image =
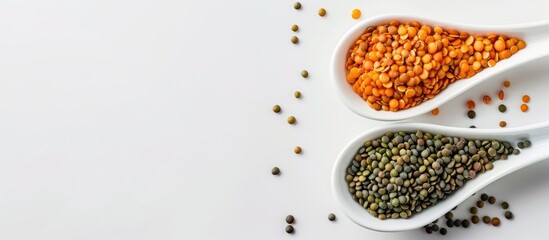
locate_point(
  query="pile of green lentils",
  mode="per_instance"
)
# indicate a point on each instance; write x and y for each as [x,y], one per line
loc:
[402,173]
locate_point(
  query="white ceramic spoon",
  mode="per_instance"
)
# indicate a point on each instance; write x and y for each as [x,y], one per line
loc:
[538,134]
[536,36]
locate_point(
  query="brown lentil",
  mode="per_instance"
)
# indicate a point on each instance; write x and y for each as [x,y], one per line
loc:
[475,219]
[524,107]
[473,210]
[486,219]
[322,12]
[297,94]
[295,28]
[492,200]
[304,74]
[506,83]
[291,120]
[487,99]
[297,150]
[502,124]
[276,108]
[526,99]
[290,219]
[495,222]
[404,57]
[294,39]
[297,5]
[480,204]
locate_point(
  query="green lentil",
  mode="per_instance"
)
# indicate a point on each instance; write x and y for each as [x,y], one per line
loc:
[294,39]
[473,210]
[484,197]
[475,219]
[435,227]
[276,108]
[450,223]
[297,94]
[457,222]
[275,171]
[486,219]
[449,215]
[290,219]
[492,200]
[401,173]
[480,204]
[471,114]
[291,120]
[502,108]
[289,229]
[465,223]
[294,28]
[508,215]
[443,231]
[505,205]
[527,143]
[297,5]
[331,217]
[304,74]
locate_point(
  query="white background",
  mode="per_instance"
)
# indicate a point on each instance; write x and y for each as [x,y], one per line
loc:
[152,119]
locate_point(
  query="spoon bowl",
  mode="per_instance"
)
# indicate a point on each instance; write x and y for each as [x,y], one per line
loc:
[538,134]
[534,34]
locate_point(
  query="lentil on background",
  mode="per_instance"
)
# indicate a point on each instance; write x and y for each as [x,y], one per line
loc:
[289,229]
[290,219]
[291,120]
[475,219]
[295,28]
[502,124]
[506,83]
[470,104]
[508,215]
[294,39]
[480,204]
[443,231]
[504,205]
[492,200]
[502,108]
[331,217]
[524,107]
[495,221]
[471,114]
[484,197]
[297,150]
[487,99]
[275,171]
[435,111]
[526,99]
[304,74]
[322,12]
[297,5]
[486,219]
[276,108]
[355,14]
[297,94]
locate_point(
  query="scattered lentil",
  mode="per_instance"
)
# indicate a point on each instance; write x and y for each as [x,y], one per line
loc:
[290,219]
[505,205]
[523,107]
[297,150]
[331,217]
[506,83]
[449,223]
[295,28]
[492,200]
[457,223]
[297,5]
[275,171]
[429,230]
[475,219]
[472,126]
[526,99]
[486,219]
[356,13]
[502,108]
[291,120]
[520,145]
[502,124]
[501,95]
[480,204]
[276,108]
[449,215]
[484,197]
[410,63]
[294,39]
[435,227]
[487,99]
[304,74]
[471,114]
[465,223]
[297,94]
[290,229]
[443,231]
[473,210]
[508,215]
[495,222]
[435,111]
[527,143]
[322,12]
[470,104]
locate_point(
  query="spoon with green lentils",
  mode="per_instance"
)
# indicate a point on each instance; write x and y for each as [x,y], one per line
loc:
[403,176]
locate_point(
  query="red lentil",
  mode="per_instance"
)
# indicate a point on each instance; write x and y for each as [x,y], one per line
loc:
[501,94]
[470,104]
[435,111]
[524,107]
[526,99]
[487,99]
[356,14]
[506,83]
